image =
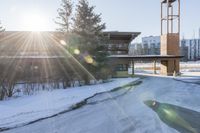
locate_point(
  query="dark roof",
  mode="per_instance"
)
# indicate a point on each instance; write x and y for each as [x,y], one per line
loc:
[27,43]
[116,35]
[31,57]
[170,1]
[146,57]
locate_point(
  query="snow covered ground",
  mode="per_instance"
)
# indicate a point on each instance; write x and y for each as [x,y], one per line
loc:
[15,112]
[191,66]
[126,113]
[113,112]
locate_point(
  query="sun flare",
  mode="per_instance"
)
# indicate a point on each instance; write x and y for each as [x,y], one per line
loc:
[34,21]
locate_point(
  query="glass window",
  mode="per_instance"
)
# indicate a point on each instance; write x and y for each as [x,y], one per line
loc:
[121,67]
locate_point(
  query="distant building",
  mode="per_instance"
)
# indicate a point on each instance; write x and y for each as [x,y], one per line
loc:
[184,50]
[149,46]
[189,48]
[151,40]
[136,49]
[193,48]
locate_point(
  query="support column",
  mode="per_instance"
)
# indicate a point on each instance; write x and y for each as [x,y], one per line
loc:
[170,40]
[133,67]
[154,67]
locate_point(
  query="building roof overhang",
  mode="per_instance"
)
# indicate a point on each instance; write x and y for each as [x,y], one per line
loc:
[170,1]
[146,57]
[116,35]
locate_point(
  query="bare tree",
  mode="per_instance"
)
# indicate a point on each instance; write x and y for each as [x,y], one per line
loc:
[65,16]
[2,29]
[8,80]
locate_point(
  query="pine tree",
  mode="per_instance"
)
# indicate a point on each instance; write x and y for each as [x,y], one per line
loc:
[65,16]
[86,21]
[87,25]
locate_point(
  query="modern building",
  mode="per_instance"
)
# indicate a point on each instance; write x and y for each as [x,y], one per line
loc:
[191,49]
[36,57]
[169,44]
[136,49]
[118,44]
[43,49]
[151,45]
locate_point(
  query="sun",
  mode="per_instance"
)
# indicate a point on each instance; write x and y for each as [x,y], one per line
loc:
[34,21]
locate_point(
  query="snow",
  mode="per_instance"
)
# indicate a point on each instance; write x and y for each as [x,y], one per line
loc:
[191,74]
[191,66]
[124,114]
[22,110]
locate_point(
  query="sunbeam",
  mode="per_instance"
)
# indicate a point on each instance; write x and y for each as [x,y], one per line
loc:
[34,21]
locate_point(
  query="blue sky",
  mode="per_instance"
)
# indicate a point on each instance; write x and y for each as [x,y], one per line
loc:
[121,15]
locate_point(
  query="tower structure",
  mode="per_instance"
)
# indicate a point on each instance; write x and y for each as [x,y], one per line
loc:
[170,35]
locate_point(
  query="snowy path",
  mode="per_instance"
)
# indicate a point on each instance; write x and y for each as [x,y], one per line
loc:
[122,114]
[26,109]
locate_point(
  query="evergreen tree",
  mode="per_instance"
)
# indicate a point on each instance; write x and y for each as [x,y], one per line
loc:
[65,16]
[88,27]
[86,21]
[85,35]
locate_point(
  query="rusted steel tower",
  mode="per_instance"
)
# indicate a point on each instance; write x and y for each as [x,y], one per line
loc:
[170,35]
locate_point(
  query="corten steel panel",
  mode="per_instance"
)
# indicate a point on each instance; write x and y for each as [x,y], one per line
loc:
[170,44]
[163,65]
[170,40]
[169,67]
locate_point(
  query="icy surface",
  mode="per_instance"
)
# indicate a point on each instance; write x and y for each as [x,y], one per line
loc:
[22,110]
[125,114]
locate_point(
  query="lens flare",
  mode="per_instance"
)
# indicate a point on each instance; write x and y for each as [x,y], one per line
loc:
[154,103]
[76,51]
[89,59]
[63,42]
